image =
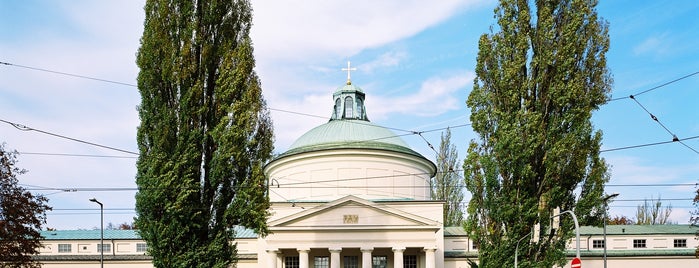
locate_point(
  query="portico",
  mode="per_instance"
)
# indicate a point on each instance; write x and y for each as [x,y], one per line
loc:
[399,257]
[380,234]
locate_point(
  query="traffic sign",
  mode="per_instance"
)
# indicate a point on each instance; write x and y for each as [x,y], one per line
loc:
[575,263]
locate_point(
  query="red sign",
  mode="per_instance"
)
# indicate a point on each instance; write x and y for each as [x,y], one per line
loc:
[575,263]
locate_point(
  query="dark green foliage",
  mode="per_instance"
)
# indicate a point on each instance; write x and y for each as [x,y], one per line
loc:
[448,184]
[205,132]
[540,76]
[21,217]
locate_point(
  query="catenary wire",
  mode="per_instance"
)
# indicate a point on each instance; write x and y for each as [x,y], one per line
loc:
[26,128]
[657,87]
[655,118]
[68,74]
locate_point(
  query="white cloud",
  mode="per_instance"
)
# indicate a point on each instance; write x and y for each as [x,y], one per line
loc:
[436,95]
[654,45]
[388,59]
[307,29]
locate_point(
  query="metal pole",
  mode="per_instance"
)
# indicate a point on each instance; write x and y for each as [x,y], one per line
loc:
[577,231]
[517,246]
[101,247]
[604,230]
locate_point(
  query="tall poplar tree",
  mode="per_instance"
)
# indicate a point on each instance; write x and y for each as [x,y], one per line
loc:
[540,74]
[448,185]
[205,132]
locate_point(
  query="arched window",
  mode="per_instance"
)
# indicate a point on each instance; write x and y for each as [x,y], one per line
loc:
[360,108]
[348,107]
[338,109]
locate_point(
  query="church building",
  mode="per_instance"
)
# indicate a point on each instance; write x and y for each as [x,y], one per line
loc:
[350,193]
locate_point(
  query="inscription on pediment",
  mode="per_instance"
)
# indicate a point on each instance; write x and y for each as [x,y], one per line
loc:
[350,219]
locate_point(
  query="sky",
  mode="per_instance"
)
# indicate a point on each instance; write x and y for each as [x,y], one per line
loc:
[415,61]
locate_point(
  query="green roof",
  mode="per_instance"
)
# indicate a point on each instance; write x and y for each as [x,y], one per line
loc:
[455,231]
[349,134]
[640,229]
[670,229]
[89,234]
[240,232]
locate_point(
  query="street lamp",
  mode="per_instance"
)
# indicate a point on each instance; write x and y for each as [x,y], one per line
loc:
[577,231]
[604,224]
[101,247]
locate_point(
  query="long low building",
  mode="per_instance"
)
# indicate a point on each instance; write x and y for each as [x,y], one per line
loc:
[628,246]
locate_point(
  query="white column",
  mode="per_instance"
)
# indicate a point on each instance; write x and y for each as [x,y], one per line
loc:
[272,258]
[335,257]
[366,257]
[303,257]
[398,257]
[430,261]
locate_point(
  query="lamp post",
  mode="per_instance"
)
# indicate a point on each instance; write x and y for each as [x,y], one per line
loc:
[101,247]
[577,231]
[604,224]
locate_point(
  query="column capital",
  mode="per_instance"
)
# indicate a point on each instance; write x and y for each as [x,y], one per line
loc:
[429,249]
[272,250]
[398,249]
[366,249]
[303,249]
[337,250]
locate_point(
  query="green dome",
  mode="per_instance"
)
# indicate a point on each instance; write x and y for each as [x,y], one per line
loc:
[349,134]
[349,128]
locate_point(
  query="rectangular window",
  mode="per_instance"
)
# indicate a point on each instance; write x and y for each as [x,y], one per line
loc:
[141,247]
[639,243]
[351,262]
[410,261]
[474,246]
[379,262]
[598,243]
[321,262]
[291,262]
[64,248]
[106,247]
[680,243]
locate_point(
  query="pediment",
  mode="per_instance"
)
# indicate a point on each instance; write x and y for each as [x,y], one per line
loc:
[351,211]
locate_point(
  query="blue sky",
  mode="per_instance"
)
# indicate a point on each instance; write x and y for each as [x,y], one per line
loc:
[415,61]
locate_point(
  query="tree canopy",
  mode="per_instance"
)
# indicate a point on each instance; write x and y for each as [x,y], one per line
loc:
[21,216]
[540,74]
[205,132]
[448,183]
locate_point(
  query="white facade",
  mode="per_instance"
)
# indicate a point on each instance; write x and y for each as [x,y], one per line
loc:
[351,194]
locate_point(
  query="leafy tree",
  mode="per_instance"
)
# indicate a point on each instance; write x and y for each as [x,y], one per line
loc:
[653,213]
[21,216]
[448,184]
[620,220]
[205,132]
[539,77]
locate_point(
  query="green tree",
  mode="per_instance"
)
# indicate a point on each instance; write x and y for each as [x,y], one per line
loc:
[539,76]
[205,132]
[21,216]
[653,213]
[448,184]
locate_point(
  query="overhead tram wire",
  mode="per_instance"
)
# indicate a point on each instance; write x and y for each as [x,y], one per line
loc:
[78,155]
[132,85]
[645,145]
[657,87]
[297,185]
[68,74]
[26,128]
[655,118]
